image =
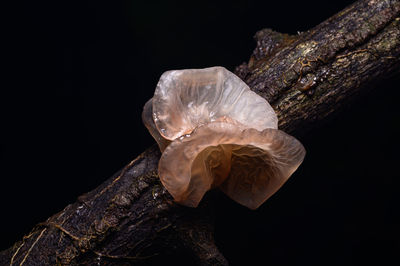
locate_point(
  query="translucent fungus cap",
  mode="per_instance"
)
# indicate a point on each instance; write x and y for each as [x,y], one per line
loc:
[246,164]
[215,132]
[147,117]
[185,99]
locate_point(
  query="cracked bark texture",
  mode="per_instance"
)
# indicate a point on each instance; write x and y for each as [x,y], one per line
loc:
[130,218]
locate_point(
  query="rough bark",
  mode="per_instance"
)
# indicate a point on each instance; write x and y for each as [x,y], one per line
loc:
[306,77]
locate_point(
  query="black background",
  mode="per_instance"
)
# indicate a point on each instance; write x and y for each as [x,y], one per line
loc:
[78,74]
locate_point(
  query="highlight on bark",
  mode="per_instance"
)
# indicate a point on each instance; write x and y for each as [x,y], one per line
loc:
[215,132]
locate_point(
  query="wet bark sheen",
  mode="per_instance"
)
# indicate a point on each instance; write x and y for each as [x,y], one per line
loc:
[306,77]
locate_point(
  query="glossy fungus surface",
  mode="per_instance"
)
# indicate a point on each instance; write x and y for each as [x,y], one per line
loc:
[215,132]
[246,164]
[185,99]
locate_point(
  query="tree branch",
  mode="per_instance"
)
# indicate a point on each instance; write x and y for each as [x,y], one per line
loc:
[131,217]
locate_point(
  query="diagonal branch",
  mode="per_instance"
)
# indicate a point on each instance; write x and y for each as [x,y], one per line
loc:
[131,217]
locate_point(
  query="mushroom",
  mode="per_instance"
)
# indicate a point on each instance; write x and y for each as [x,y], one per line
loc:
[147,117]
[215,132]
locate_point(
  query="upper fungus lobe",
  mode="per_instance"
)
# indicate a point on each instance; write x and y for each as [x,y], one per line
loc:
[147,118]
[215,132]
[185,99]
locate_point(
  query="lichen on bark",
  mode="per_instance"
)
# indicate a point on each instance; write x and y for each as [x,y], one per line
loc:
[131,217]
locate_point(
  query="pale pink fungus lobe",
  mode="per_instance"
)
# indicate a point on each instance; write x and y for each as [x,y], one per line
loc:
[215,132]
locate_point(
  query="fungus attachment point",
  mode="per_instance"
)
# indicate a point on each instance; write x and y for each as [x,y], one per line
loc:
[215,132]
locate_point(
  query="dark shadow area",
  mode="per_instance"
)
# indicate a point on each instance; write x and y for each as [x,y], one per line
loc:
[340,207]
[78,76]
